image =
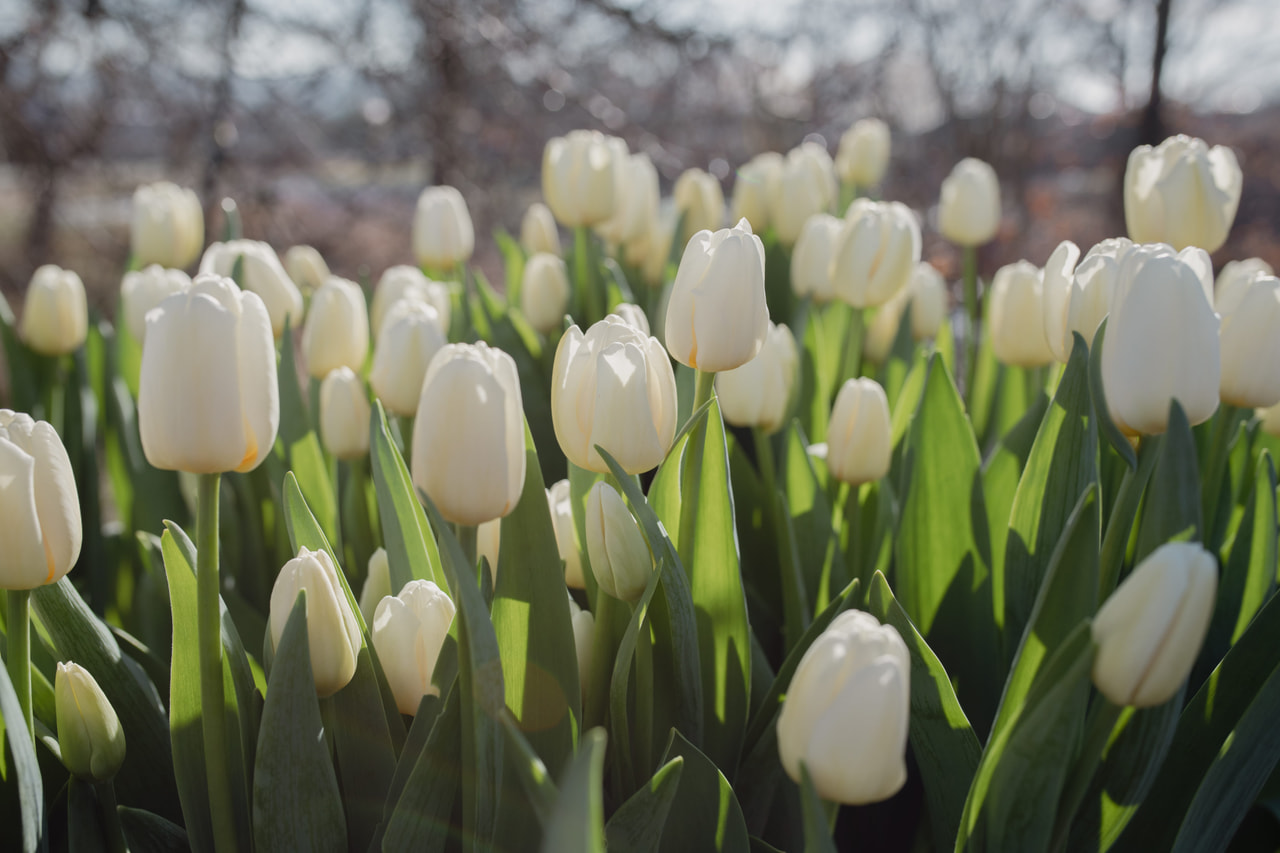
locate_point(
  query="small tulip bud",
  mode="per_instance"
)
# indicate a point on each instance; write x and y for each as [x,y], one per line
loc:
[55,316]
[1182,192]
[847,711]
[337,329]
[89,734]
[806,187]
[858,439]
[1150,630]
[333,633]
[410,339]
[306,266]
[538,231]
[699,197]
[489,546]
[620,558]
[864,153]
[969,212]
[584,634]
[408,633]
[632,315]
[167,226]
[876,252]
[208,399]
[142,290]
[408,283]
[1235,273]
[263,274]
[926,293]
[1016,311]
[443,236]
[1250,340]
[754,189]
[578,181]
[39,506]
[635,197]
[344,414]
[811,260]
[377,584]
[757,393]
[566,541]
[544,291]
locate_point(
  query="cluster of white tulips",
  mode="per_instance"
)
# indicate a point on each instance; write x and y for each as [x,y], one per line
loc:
[500,569]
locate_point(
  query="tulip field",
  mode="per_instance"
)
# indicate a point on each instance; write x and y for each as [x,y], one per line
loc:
[712,525]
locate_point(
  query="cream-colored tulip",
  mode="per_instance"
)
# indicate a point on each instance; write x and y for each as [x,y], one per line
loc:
[578,180]
[1182,192]
[613,387]
[755,188]
[806,186]
[344,414]
[333,634]
[1016,313]
[1270,419]
[811,259]
[336,333]
[408,282]
[757,394]
[1078,297]
[489,546]
[408,634]
[39,504]
[858,435]
[410,339]
[632,315]
[863,155]
[443,236]
[619,556]
[584,633]
[651,252]
[1250,339]
[208,399]
[377,584]
[700,200]
[847,712]
[1237,274]
[306,266]
[969,211]
[544,291]
[90,737]
[468,435]
[635,198]
[566,538]
[55,315]
[926,293]
[263,274]
[538,232]
[876,252]
[142,290]
[167,226]
[717,316]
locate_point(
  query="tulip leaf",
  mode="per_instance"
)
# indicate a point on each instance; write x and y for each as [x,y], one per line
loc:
[636,827]
[631,752]
[819,563]
[817,835]
[305,532]
[982,397]
[149,833]
[539,790]
[30,787]
[1001,473]
[296,801]
[577,823]
[706,816]
[761,547]
[366,759]
[1106,426]
[85,832]
[419,818]
[899,359]
[303,453]
[1172,509]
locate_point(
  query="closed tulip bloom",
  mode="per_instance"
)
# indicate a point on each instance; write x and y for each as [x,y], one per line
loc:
[406,282]
[807,186]
[757,393]
[410,340]
[635,198]
[651,252]
[1016,311]
[1149,632]
[717,317]
[142,290]
[333,634]
[408,633]
[847,711]
[1182,192]
[208,400]
[755,188]
[489,546]
[55,316]
[566,542]
[89,734]
[538,231]
[377,584]
[39,505]
[344,414]
[1078,297]
[578,181]
[632,315]
[700,199]
[858,442]
[811,260]
[1270,419]
[864,153]
[167,226]
[1250,340]
[1162,341]
[263,274]
[306,266]
[876,252]
[969,211]
[613,387]
[336,333]
[584,634]
[619,556]
[443,236]
[1237,273]
[468,435]
[926,293]
[544,291]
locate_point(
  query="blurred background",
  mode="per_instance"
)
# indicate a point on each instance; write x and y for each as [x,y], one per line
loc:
[324,119]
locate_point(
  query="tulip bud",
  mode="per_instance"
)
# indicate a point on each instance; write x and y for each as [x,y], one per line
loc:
[1016,311]
[344,414]
[1077,298]
[613,387]
[538,230]
[926,293]
[620,558]
[336,333]
[811,260]
[333,634]
[410,339]
[443,236]
[635,197]
[969,212]
[584,634]
[1182,193]
[864,153]
[468,436]
[55,316]
[807,186]
[408,633]
[1162,340]
[208,399]
[1270,419]
[754,189]
[876,252]
[263,274]
[1236,273]
[39,505]
[306,266]
[578,178]
[757,393]
[1150,630]
[700,199]
[652,250]
[847,710]
[168,226]
[489,545]
[544,291]
[89,734]
[377,584]
[1250,341]
[142,290]
[717,317]
[858,442]
[409,283]
[632,315]
[566,543]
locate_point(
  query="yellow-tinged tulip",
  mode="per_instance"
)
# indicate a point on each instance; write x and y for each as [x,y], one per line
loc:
[1250,340]
[566,541]
[755,188]
[811,260]
[864,153]
[410,339]
[55,316]
[89,734]
[757,393]
[443,236]
[858,438]
[377,584]
[847,711]
[538,231]
[408,633]
[39,505]
[578,181]
[876,252]
[717,317]
[619,556]
[336,333]
[1150,630]
[142,290]
[1182,192]
[261,273]
[344,414]
[1016,312]
[333,634]
[468,436]
[926,293]
[544,291]
[584,633]
[208,399]
[306,266]
[489,546]
[969,211]
[613,387]
[1236,273]
[406,282]
[167,226]
[635,197]
[632,315]
[700,200]
[807,186]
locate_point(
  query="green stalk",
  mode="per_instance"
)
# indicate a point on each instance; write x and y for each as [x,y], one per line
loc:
[19,657]
[209,630]
[602,655]
[467,539]
[832,810]
[1116,540]
[828,562]
[691,475]
[588,295]
[851,356]
[703,385]
[1102,720]
[972,310]
[644,702]
[1224,429]
[110,814]
[793,593]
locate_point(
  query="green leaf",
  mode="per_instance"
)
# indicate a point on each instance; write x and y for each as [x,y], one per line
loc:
[1001,473]
[534,778]
[810,519]
[85,833]
[30,786]
[1106,426]
[632,753]
[1172,509]
[149,833]
[706,816]
[577,824]
[419,818]
[305,532]
[366,758]
[303,453]
[636,827]
[817,835]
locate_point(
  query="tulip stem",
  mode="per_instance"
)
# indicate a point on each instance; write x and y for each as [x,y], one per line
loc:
[851,357]
[644,702]
[467,535]
[1101,722]
[1123,511]
[209,629]
[972,311]
[603,652]
[1224,429]
[110,814]
[702,387]
[584,267]
[19,652]
[832,811]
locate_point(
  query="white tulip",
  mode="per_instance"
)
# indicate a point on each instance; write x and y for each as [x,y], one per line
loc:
[333,634]
[377,584]
[876,252]
[1250,338]
[1016,314]
[55,315]
[566,538]
[807,186]
[700,199]
[408,634]
[544,291]
[864,153]
[443,236]
[1182,192]
[410,339]
[263,274]
[344,414]
[811,259]
[336,333]
[167,226]
[39,504]
[757,394]
[142,290]
[407,282]
[619,556]
[754,189]
[538,230]
[306,266]
[969,211]
[858,436]
[578,180]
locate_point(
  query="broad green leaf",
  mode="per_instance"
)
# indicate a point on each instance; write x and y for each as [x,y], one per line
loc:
[982,396]
[26,768]
[85,832]
[1001,473]
[901,355]
[305,532]
[534,778]
[636,827]
[303,453]
[365,755]
[817,835]
[419,817]
[513,259]
[779,294]
[759,546]
[706,816]
[1106,426]
[1172,508]
[633,741]
[577,824]
[810,515]
[149,833]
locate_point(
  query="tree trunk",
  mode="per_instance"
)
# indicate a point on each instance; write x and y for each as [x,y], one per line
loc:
[1153,130]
